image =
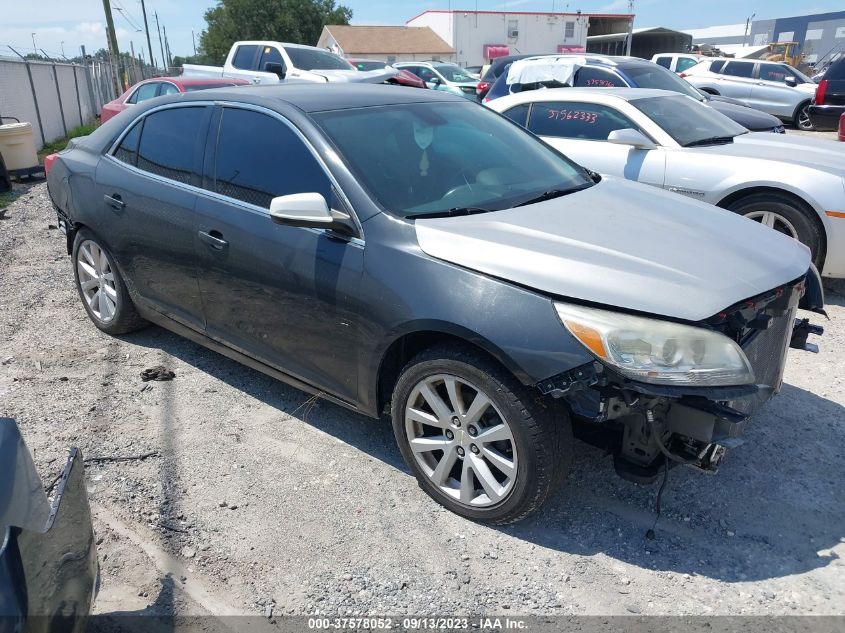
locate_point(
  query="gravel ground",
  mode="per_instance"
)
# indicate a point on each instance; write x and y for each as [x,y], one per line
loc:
[261,500]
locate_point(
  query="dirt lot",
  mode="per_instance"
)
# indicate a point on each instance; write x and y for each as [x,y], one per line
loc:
[259,500]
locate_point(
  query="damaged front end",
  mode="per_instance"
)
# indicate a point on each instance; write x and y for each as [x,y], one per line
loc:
[690,415]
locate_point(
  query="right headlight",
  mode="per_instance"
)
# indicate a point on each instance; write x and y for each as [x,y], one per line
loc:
[656,351]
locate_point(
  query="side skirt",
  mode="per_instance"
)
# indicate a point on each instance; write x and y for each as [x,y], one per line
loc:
[201,339]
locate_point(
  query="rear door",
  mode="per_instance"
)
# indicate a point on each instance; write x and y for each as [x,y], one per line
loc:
[148,190]
[580,131]
[736,80]
[280,294]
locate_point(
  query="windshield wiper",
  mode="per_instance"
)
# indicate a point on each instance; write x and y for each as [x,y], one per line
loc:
[552,193]
[711,140]
[447,213]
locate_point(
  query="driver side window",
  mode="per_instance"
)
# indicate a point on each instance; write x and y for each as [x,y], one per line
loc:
[586,121]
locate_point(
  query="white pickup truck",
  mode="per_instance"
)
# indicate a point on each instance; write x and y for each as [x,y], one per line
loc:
[279,62]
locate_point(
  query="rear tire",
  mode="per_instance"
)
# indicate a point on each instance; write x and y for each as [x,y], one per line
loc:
[463,474]
[100,286]
[785,215]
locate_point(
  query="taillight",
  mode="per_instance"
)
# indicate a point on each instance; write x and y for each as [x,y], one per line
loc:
[842,127]
[48,162]
[821,89]
[482,86]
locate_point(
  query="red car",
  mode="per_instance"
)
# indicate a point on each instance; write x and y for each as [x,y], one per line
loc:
[404,78]
[842,127]
[159,86]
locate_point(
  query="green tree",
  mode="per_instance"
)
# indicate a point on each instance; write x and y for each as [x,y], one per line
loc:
[296,21]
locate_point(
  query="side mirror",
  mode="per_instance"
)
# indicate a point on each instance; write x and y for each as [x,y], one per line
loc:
[436,81]
[276,68]
[309,210]
[629,136]
[790,81]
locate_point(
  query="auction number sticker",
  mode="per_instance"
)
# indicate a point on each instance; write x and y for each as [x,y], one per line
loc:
[573,115]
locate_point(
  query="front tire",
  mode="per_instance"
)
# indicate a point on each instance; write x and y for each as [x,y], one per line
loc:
[786,216]
[802,118]
[479,443]
[101,288]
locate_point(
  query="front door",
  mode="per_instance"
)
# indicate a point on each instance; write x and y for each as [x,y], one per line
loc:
[280,294]
[147,188]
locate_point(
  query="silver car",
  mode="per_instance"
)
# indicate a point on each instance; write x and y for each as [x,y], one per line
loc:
[443,76]
[772,87]
[793,184]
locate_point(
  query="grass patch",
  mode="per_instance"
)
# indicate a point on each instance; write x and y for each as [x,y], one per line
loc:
[6,198]
[60,144]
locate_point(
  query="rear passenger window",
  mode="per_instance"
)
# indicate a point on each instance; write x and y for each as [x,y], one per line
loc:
[258,158]
[738,69]
[147,91]
[169,141]
[666,62]
[587,121]
[716,67]
[168,89]
[597,78]
[836,71]
[518,114]
[127,151]
[245,57]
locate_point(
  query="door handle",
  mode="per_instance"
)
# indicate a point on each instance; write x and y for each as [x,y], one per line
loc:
[115,201]
[214,239]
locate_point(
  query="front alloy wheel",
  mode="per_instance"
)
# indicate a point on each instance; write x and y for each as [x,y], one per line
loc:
[802,121]
[478,441]
[461,441]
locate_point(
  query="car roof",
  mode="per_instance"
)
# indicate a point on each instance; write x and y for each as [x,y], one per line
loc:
[599,94]
[318,97]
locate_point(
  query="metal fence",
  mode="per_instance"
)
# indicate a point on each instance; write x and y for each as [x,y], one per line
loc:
[57,97]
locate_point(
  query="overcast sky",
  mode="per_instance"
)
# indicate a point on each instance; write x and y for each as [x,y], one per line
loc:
[78,22]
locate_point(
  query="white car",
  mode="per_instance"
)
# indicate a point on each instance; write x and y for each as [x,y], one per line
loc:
[793,184]
[677,62]
[773,87]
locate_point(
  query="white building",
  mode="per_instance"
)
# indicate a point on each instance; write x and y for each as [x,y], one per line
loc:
[479,36]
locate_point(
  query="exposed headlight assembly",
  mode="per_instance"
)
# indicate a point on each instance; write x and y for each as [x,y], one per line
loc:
[655,351]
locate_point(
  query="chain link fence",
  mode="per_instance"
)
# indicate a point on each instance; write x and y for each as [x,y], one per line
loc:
[57,97]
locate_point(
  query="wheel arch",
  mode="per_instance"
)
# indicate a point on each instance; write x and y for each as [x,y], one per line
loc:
[423,336]
[739,194]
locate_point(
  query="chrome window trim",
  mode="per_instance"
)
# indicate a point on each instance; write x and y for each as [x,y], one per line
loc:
[359,241]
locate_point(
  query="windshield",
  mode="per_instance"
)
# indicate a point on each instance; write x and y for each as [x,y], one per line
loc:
[315,59]
[686,120]
[654,76]
[423,158]
[366,65]
[454,73]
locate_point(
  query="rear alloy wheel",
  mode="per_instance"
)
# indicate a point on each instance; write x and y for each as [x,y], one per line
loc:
[786,216]
[478,442]
[101,287]
[802,119]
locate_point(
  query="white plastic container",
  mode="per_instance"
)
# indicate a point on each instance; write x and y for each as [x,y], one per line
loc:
[17,145]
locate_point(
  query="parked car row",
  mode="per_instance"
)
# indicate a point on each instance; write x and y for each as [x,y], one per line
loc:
[409,253]
[602,71]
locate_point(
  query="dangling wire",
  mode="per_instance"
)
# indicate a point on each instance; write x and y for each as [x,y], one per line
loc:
[650,534]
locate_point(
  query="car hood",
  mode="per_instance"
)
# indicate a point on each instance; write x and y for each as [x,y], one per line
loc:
[625,245]
[814,153]
[747,117]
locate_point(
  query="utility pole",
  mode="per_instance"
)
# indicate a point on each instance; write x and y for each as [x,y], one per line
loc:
[34,47]
[747,24]
[161,43]
[167,47]
[630,27]
[113,46]
[147,27]
[134,64]
[194,40]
